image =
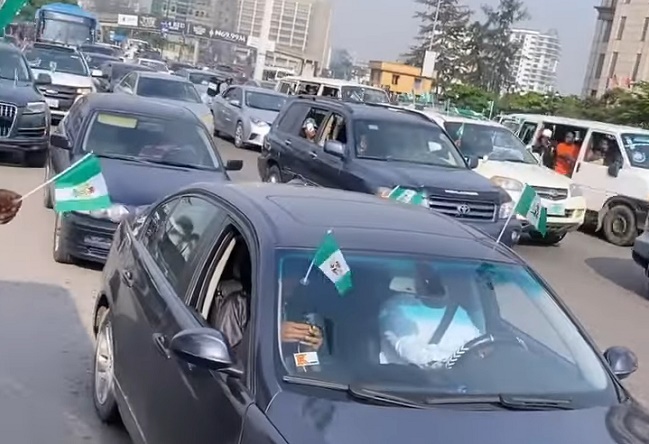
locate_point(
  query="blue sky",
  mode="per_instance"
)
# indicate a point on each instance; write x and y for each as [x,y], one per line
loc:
[380,30]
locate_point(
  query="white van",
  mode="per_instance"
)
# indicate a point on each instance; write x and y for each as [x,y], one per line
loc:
[340,89]
[506,161]
[612,170]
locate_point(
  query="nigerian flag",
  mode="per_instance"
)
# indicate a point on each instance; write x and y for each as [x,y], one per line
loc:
[81,187]
[530,207]
[330,260]
[407,195]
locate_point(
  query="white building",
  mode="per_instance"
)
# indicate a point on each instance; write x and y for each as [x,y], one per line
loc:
[537,61]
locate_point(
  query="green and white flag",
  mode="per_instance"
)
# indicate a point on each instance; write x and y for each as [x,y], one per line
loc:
[330,260]
[81,187]
[530,207]
[409,196]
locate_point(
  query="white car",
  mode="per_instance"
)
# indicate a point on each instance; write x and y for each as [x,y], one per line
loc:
[505,160]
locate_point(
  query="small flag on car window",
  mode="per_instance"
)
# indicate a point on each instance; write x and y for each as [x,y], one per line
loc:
[409,196]
[530,207]
[330,260]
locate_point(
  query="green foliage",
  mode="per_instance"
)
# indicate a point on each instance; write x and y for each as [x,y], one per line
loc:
[28,11]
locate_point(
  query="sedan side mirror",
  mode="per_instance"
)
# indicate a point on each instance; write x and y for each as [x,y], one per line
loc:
[59,141]
[43,79]
[622,361]
[233,165]
[334,148]
[614,169]
[472,162]
[204,347]
[212,90]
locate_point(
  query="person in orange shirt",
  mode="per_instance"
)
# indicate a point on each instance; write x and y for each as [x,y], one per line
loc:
[566,155]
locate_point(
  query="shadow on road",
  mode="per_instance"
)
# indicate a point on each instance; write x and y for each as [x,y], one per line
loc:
[622,272]
[46,360]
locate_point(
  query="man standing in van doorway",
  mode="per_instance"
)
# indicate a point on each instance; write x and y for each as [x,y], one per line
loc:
[566,155]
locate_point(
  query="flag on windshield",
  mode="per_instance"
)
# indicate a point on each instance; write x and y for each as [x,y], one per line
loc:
[81,187]
[409,196]
[530,207]
[330,260]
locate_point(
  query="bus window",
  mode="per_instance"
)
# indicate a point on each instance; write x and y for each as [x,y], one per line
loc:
[527,132]
[329,91]
[285,87]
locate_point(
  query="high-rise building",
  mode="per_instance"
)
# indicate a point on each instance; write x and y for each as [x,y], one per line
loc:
[299,29]
[620,46]
[220,14]
[537,60]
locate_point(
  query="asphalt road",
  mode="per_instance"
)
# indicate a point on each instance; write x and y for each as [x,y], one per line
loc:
[46,347]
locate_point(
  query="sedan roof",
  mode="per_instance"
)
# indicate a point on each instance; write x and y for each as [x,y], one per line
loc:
[123,103]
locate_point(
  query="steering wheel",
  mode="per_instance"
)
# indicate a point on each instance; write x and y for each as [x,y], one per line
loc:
[482,346]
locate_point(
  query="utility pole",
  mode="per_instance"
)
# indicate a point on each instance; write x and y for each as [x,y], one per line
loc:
[264,39]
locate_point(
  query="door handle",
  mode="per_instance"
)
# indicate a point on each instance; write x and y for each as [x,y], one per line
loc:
[160,342]
[313,155]
[578,166]
[127,277]
[287,142]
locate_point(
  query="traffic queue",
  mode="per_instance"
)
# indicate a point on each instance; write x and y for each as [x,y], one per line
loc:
[369,278]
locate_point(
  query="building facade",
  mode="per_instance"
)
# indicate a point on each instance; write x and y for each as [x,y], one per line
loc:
[618,56]
[537,60]
[399,78]
[299,30]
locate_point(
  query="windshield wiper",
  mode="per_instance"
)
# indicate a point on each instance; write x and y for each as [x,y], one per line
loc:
[180,164]
[355,392]
[509,402]
[119,157]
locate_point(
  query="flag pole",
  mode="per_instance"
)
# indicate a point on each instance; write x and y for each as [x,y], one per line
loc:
[509,218]
[52,179]
[305,279]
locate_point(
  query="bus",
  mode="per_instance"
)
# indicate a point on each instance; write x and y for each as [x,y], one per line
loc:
[65,24]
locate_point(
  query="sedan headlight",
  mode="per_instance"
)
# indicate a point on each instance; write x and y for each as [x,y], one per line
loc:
[383,192]
[115,213]
[506,210]
[35,108]
[575,190]
[258,122]
[84,91]
[507,184]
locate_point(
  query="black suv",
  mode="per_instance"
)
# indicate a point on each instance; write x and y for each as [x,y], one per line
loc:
[24,115]
[372,148]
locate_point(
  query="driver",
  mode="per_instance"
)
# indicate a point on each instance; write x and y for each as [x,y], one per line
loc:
[413,330]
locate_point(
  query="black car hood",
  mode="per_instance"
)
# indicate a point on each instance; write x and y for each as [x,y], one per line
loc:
[19,94]
[434,179]
[134,184]
[303,419]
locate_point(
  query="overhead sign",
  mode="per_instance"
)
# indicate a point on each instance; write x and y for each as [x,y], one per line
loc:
[127,20]
[147,22]
[216,33]
[167,25]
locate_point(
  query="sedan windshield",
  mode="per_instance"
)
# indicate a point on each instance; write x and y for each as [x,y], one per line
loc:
[13,66]
[168,89]
[153,64]
[504,334]
[145,138]
[637,148]
[96,61]
[268,102]
[56,61]
[488,141]
[406,142]
[98,49]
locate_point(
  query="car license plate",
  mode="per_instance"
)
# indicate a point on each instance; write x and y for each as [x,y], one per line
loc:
[96,241]
[556,210]
[52,103]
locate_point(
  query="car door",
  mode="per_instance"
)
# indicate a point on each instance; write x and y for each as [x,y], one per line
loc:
[221,115]
[306,153]
[231,106]
[328,170]
[593,177]
[279,141]
[72,128]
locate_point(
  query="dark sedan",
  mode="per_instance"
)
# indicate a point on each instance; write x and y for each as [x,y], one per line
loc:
[147,151]
[265,313]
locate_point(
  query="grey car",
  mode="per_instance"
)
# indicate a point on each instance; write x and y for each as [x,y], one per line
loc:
[201,80]
[166,88]
[246,113]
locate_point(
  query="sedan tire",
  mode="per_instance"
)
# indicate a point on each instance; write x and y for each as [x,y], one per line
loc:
[59,249]
[238,136]
[103,385]
[47,192]
[274,175]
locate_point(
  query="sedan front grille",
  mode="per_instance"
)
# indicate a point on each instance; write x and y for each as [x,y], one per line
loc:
[551,193]
[463,209]
[7,118]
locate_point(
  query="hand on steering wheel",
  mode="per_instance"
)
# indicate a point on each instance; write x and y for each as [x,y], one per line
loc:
[480,346]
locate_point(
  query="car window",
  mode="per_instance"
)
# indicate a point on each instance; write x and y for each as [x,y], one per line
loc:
[637,149]
[167,89]
[13,66]
[74,120]
[315,115]
[229,93]
[506,333]
[129,80]
[406,141]
[57,61]
[147,138]
[364,94]
[527,132]
[292,118]
[335,128]
[603,149]
[264,101]
[173,241]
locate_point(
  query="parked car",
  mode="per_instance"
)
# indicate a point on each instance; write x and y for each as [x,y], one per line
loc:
[147,150]
[166,88]
[246,113]
[24,115]
[505,160]
[71,77]
[373,148]
[174,359]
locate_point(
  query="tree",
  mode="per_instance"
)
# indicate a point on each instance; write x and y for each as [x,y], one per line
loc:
[342,64]
[30,7]
[443,29]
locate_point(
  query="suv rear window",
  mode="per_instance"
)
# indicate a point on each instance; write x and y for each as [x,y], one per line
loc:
[413,142]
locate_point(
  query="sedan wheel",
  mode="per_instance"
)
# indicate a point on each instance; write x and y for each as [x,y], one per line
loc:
[238,135]
[59,248]
[103,381]
[47,194]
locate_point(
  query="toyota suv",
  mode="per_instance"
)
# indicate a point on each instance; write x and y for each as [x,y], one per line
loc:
[24,115]
[70,75]
[374,148]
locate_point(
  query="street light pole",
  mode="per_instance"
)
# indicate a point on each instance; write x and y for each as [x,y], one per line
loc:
[264,39]
[435,21]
